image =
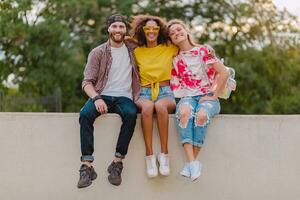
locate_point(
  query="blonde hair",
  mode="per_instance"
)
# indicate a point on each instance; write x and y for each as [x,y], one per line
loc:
[181,23]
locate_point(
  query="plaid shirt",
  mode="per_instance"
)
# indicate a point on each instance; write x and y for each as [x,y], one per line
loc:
[98,66]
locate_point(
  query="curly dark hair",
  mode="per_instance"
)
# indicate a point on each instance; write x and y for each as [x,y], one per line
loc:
[137,31]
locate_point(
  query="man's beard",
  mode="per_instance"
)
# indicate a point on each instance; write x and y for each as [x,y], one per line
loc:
[118,39]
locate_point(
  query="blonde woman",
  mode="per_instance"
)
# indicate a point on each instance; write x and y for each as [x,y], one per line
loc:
[193,77]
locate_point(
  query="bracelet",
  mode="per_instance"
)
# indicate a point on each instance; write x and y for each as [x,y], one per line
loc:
[95,98]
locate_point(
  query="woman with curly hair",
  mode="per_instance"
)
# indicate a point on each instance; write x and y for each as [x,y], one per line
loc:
[154,59]
[194,82]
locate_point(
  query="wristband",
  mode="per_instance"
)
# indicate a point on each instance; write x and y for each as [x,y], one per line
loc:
[95,98]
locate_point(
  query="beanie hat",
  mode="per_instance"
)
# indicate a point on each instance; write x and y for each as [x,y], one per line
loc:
[116,18]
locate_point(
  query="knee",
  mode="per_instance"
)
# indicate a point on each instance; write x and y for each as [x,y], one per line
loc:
[161,108]
[201,118]
[147,109]
[131,113]
[84,116]
[88,112]
[184,114]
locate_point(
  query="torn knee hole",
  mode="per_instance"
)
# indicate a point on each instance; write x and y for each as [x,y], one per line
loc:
[201,118]
[183,121]
[184,115]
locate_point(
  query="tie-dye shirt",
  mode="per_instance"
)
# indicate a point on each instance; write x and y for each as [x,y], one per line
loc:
[192,73]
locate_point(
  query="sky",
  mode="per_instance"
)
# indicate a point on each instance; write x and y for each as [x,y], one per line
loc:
[293,6]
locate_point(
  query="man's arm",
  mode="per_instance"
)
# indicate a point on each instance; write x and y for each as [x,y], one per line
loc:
[96,98]
[90,91]
[91,72]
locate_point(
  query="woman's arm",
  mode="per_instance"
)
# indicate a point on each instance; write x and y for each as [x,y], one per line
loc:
[221,78]
[220,81]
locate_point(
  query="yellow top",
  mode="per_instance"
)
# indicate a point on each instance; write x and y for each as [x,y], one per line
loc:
[155,65]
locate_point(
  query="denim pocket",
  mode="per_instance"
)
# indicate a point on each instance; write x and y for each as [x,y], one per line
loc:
[166,90]
[144,92]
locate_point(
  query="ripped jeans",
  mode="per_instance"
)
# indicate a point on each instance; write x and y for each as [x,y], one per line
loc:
[191,131]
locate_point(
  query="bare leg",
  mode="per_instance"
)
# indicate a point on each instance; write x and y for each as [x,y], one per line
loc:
[163,107]
[196,151]
[189,153]
[87,163]
[147,108]
[116,159]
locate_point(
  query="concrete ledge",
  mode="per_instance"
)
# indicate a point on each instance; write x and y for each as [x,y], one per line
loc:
[245,157]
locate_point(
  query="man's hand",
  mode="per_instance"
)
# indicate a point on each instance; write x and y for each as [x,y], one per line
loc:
[101,106]
[208,98]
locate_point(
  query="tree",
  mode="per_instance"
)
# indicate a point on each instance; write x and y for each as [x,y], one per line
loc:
[45,43]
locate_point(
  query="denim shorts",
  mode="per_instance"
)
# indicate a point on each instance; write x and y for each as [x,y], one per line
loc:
[191,132]
[164,91]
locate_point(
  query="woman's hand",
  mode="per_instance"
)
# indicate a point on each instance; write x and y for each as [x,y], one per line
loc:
[208,98]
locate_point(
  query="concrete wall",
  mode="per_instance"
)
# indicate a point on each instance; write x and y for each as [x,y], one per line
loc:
[245,158]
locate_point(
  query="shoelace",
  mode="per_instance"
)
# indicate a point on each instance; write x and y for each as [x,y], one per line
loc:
[164,161]
[149,164]
[116,170]
[84,172]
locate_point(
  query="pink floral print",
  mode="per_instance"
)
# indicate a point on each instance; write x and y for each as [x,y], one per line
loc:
[192,74]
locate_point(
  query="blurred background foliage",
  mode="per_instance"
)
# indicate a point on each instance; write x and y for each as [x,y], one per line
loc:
[44,46]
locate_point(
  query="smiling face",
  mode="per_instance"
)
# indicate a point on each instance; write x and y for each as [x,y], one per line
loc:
[151,30]
[117,31]
[177,33]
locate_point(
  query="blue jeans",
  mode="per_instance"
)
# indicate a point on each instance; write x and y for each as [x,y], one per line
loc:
[123,106]
[191,132]
[164,91]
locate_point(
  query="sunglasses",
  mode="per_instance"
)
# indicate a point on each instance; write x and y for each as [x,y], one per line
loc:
[151,28]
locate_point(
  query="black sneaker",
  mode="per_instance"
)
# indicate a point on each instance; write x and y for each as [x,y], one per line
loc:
[87,174]
[115,170]
[94,174]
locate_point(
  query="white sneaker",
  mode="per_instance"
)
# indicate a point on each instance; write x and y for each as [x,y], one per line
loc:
[164,164]
[186,170]
[195,168]
[151,166]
